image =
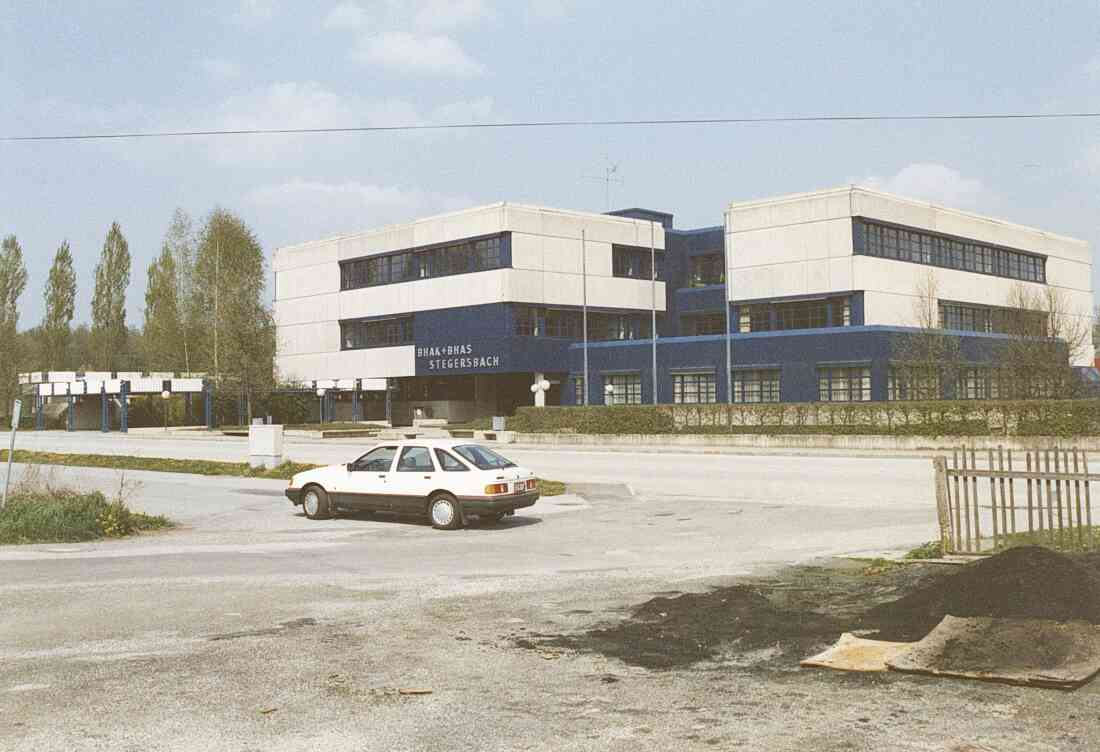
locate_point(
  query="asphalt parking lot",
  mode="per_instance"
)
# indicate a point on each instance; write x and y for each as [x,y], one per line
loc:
[252,628]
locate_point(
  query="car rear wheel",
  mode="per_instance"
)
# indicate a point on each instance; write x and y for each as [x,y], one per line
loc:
[444,512]
[315,503]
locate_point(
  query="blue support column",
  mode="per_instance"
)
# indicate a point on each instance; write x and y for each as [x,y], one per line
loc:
[208,405]
[330,405]
[70,422]
[355,416]
[104,410]
[389,403]
[124,407]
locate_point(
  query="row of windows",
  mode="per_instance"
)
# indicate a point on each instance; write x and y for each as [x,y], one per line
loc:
[707,323]
[708,269]
[635,263]
[971,318]
[457,258]
[921,247]
[535,321]
[358,335]
[801,314]
[974,383]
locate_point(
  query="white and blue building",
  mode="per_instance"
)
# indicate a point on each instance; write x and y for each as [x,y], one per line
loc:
[791,299]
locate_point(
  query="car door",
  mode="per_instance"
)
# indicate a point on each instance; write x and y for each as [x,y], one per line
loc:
[413,479]
[368,478]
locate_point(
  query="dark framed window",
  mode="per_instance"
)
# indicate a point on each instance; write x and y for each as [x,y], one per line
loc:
[709,323]
[360,335]
[378,460]
[604,327]
[923,247]
[756,385]
[978,383]
[462,257]
[526,321]
[975,318]
[844,384]
[796,314]
[415,460]
[563,324]
[627,389]
[705,270]
[694,388]
[635,262]
[914,383]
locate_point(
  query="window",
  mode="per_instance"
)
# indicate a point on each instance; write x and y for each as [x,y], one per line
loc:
[564,324]
[756,385]
[974,318]
[634,262]
[449,463]
[799,314]
[844,384]
[978,383]
[482,458]
[627,389]
[359,335]
[415,460]
[805,315]
[693,388]
[377,460]
[532,321]
[453,258]
[709,269]
[618,326]
[527,321]
[913,383]
[710,323]
[922,247]
[437,389]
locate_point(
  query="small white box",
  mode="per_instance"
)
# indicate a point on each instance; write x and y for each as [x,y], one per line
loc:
[265,446]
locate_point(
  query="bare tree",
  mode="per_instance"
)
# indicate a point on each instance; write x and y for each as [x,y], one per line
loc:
[923,360]
[1048,336]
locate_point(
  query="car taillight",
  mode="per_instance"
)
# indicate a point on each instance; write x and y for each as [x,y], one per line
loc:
[532,484]
[496,488]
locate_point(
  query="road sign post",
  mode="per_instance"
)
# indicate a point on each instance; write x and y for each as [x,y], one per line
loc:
[16,412]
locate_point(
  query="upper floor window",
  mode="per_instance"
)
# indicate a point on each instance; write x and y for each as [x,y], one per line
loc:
[358,335]
[454,258]
[799,314]
[619,326]
[923,247]
[974,318]
[635,262]
[708,323]
[534,321]
[708,269]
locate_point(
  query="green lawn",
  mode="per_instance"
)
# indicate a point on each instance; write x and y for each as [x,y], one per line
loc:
[59,515]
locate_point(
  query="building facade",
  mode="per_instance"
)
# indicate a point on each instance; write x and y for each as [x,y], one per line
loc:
[796,298]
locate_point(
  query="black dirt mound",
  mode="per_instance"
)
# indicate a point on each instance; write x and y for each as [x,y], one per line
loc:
[1028,582]
[665,633]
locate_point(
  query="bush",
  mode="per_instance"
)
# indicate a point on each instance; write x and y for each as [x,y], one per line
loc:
[52,515]
[615,419]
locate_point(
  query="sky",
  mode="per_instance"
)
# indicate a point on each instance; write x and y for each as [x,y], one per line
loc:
[111,66]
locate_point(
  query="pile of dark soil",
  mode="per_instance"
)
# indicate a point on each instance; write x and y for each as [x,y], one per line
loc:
[1028,582]
[664,632]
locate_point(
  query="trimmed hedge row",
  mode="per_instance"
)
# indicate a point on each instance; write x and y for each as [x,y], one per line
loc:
[939,418]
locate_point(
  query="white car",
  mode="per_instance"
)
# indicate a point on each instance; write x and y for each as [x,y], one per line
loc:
[443,479]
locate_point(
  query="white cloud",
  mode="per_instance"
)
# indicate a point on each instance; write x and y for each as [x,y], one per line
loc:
[419,54]
[303,209]
[347,16]
[446,14]
[219,69]
[933,182]
[254,12]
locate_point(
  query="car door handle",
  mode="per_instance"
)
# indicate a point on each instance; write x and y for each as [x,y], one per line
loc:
[382,476]
[427,477]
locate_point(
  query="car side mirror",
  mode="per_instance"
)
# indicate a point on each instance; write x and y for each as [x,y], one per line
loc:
[351,467]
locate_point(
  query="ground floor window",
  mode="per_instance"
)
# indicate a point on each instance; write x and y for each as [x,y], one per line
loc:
[756,385]
[844,384]
[978,383]
[908,383]
[693,388]
[626,389]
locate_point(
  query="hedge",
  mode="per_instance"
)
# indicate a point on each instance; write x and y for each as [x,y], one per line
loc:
[938,418]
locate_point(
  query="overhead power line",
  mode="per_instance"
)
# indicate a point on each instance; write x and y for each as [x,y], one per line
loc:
[561,124]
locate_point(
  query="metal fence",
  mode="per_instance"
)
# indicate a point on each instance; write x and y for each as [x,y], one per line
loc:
[1003,498]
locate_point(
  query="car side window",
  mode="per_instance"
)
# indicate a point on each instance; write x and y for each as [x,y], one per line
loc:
[449,463]
[415,460]
[377,460]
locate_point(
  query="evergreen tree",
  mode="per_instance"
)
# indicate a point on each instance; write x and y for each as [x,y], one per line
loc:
[163,331]
[60,295]
[112,277]
[13,281]
[229,301]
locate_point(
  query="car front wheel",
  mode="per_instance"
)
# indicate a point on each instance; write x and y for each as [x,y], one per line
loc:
[444,512]
[315,503]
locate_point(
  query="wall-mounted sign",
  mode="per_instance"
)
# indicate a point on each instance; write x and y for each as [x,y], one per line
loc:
[457,357]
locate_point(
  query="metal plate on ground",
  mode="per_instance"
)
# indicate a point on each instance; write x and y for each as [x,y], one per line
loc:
[852,653]
[1028,652]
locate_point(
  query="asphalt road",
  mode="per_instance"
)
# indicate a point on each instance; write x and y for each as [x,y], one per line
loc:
[251,627]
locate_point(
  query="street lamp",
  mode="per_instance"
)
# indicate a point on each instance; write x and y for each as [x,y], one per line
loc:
[608,394]
[539,389]
[321,405]
[164,395]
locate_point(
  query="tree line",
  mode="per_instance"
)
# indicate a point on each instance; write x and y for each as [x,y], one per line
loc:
[205,310]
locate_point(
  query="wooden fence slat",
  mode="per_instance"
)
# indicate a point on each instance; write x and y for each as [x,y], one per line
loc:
[1077,502]
[1088,500]
[958,503]
[1058,496]
[977,504]
[1030,503]
[1050,497]
[1011,492]
[966,497]
[992,497]
[1001,488]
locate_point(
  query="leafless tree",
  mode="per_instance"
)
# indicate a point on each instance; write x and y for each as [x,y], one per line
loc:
[923,360]
[1048,336]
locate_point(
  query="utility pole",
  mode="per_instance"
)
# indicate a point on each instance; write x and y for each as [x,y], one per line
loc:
[653,302]
[584,309]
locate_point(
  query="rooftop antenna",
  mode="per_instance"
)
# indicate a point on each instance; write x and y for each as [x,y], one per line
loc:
[610,175]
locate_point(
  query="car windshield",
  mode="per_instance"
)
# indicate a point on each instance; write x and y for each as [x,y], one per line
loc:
[482,458]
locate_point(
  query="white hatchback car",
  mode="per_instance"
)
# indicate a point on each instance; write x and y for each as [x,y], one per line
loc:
[443,479]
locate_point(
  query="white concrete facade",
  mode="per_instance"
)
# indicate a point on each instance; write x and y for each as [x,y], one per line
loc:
[802,245]
[546,269]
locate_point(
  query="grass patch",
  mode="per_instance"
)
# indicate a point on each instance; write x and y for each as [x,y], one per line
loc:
[551,487]
[929,550]
[40,513]
[1069,540]
[158,464]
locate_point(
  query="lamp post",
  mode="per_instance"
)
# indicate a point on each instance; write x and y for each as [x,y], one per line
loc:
[164,395]
[539,389]
[608,394]
[321,405]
